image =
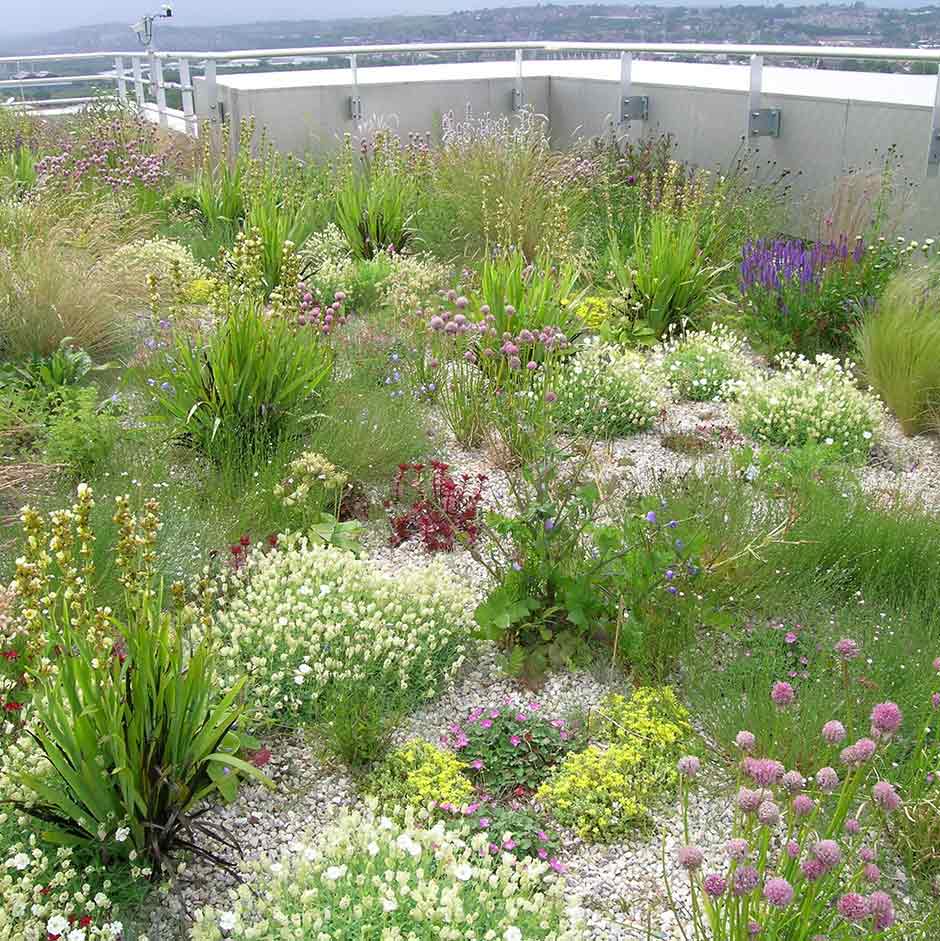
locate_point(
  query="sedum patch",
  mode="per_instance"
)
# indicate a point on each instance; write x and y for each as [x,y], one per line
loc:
[420,774]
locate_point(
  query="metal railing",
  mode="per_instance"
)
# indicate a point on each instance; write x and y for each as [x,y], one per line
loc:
[147,82]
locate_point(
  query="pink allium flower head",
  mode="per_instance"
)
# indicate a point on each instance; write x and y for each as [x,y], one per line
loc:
[737,849]
[852,826]
[792,849]
[715,885]
[886,718]
[881,909]
[828,853]
[792,781]
[858,753]
[853,907]
[689,766]
[936,665]
[867,854]
[812,869]
[827,779]
[782,694]
[754,929]
[833,732]
[690,857]
[803,805]
[746,879]
[885,796]
[778,892]
[550,396]
[745,741]
[935,700]
[763,771]
[847,649]
[871,873]
[768,814]
[749,800]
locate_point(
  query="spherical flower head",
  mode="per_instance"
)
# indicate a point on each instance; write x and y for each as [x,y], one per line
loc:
[827,779]
[812,869]
[833,732]
[782,694]
[871,873]
[689,766]
[763,771]
[778,892]
[793,782]
[852,826]
[690,857]
[745,741]
[861,751]
[715,885]
[936,665]
[885,796]
[803,805]
[753,929]
[768,814]
[867,854]
[737,849]
[550,396]
[886,718]
[748,800]
[881,909]
[792,849]
[828,852]
[853,907]
[847,649]
[746,879]
[935,700]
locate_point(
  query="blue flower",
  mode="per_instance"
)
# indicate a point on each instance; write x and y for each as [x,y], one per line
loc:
[651,516]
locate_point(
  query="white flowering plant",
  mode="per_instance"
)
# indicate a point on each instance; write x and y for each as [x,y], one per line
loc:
[810,401]
[308,619]
[372,878]
[605,392]
[706,365]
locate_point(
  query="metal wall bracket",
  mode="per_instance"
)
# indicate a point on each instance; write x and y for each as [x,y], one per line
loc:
[635,108]
[517,101]
[764,122]
[933,155]
[354,103]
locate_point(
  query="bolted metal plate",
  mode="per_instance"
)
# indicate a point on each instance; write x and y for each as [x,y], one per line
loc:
[635,108]
[518,99]
[933,156]
[764,122]
[355,108]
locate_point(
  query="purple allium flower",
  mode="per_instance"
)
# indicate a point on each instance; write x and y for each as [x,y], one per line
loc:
[754,928]
[792,781]
[863,750]
[847,649]
[690,857]
[936,665]
[550,396]
[803,805]
[746,879]
[881,909]
[871,873]
[792,849]
[935,700]
[827,779]
[745,741]
[852,826]
[782,694]
[866,854]
[768,814]
[749,800]
[886,718]
[828,852]
[762,771]
[812,869]
[833,732]
[737,849]
[853,907]
[715,885]
[689,766]
[885,796]
[436,323]
[778,892]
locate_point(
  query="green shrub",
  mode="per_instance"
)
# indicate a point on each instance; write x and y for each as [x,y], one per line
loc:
[79,434]
[307,620]
[899,345]
[607,393]
[706,366]
[419,775]
[810,401]
[375,212]
[337,887]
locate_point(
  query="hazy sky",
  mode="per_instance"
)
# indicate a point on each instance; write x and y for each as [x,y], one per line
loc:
[47,15]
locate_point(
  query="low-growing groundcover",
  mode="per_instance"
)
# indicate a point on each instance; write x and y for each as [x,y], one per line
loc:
[369,877]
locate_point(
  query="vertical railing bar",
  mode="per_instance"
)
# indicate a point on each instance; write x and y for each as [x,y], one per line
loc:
[933,151]
[355,102]
[121,78]
[212,92]
[754,94]
[189,104]
[519,90]
[626,79]
[157,66]
[138,81]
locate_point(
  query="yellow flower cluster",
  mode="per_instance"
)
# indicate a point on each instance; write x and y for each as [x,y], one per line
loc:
[308,477]
[594,311]
[419,774]
[653,714]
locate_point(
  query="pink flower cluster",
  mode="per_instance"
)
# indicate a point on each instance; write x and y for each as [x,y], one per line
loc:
[320,315]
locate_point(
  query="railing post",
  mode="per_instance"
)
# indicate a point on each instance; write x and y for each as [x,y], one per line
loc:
[212,93]
[761,122]
[355,101]
[933,151]
[157,66]
[121,78]
[138,81]
[630,107]
[189,108]
[518,92]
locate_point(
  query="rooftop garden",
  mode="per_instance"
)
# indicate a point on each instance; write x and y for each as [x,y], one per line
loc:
[467,541]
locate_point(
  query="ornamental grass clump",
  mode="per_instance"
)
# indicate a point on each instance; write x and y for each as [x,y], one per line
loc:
[810,402]
[707,365]
[374,878]
[606,791]
[605,392]
[312,622]
[801,861]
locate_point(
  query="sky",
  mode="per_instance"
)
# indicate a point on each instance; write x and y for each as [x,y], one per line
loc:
[47,15]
